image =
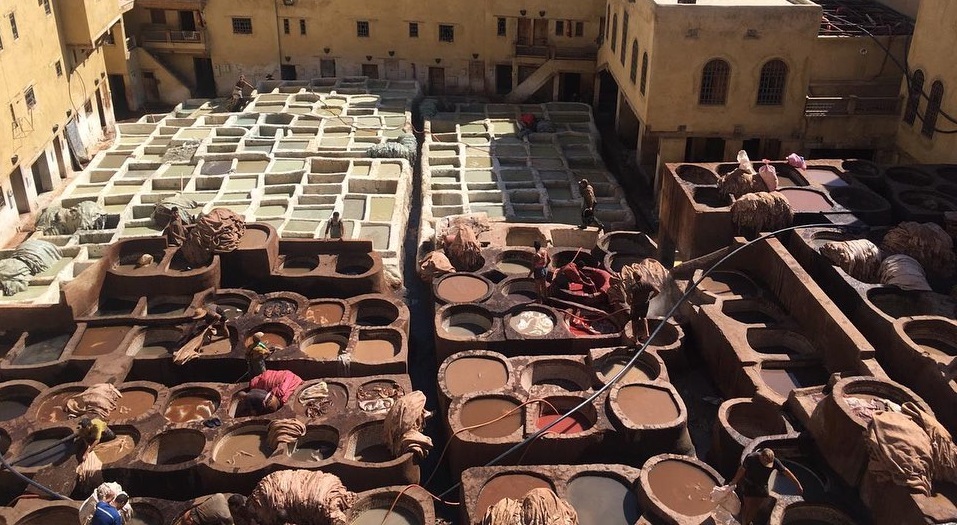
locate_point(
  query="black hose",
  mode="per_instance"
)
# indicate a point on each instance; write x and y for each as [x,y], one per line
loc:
[621,373]
[49,492]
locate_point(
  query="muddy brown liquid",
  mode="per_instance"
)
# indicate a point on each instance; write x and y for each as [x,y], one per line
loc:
[13,407]
[751,422]
[218,347]
[823,177]
[242,450]
[460,329]
[513,486]
[134,403]
[784,380]
[601,500]
[325,313]
[51,408]
[484,410]
[728,283]
[186,409]
[373,351]
[313,451]
[461,289]
[471,374]
[378,453]
[271,339]
[113,450]
[611,367]
[397,516]
[514,267]
[157,350]
[100,340]
[644,405]
[253,238]
[325,349]
[806,200]
[682,487]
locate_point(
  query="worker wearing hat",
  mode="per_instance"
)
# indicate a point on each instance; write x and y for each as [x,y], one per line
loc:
[754,474]
[257,353]
[208,322]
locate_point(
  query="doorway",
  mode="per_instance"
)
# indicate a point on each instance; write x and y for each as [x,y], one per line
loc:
[541,32]
[524,32]
[58,152]
[187,22]
[99,109]
[118,88]
[477,76]
[391,69]
[19,191]
[436,80]
[370,70]
[569,87]
[287,72]
[503,79]
[42,176]
[205,79]
[701,149]
[150,87]
[327,67]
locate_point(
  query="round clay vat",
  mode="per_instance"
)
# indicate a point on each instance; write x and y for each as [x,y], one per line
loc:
[159,343]
[115,307]
[40,347]
[336,402]
[783,487]
[727,283]
[146,514]
[936,337]
[354,264]
[36,445]
[928,200]
[750,312]
[513,485]
[739,421]
[300,265]
[168,306]
[861,168]
[134,403]
[478,413]
[15,399]
[118,449]
[549,411]
[519,290]
[466,322]
[530,321]
[52,514]
[696,174]
[563,256]
[773,341]
[710,197]
[859,199]
[805,200]
[375,312]
[191,405]
[514,263]
[897,304]
[365,444]
[473,371]
[677,489]
[801,513]
[275,306]
[628,243]
[603,498]
[564,374]
[666,343]
[242,448]
[909,176]
[318,444]
[126,262]
[325,313]
[867,389]
[274,334]
[462,288]
[387,507]
[234,305]
[648,367]
[646,405]
[377,346]
[49,407]
[617,261]
[781,377]
[255,237]
[325,345]
[100,340]
[174,447]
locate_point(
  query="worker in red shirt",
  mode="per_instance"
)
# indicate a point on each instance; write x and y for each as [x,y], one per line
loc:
[268,392]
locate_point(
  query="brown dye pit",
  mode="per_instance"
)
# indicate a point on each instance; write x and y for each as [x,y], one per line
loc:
[461,289]
[373,350]
[682,487]
[514,267]
[646,405]
[479,411]
[155,350]
[824,177]
[471,374]
[271,339]
[752,421]
[385,516]
[377,453]
[113,450]
[134,403]
[242,450]
[806,200]
[313,451]
[217,347]
[611,367]
[100,340]
[601,500]
[784,380]
[513,486]
[187,409]
[728,283]
[51,409]
[328,347]
[253,238]
[325,313]
[936,348]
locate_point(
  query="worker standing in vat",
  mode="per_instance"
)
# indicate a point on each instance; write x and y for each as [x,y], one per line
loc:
[588,205]
[257,353]
[754,473]
[268,392]
[175,231]
[540,262]
[92,432]
[238,92]
[334,227]
[208,323]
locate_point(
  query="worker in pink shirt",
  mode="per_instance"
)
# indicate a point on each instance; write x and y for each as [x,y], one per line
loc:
[268,392]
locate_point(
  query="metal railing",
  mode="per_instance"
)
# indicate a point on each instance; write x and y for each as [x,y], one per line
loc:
[565,53]
[851,105]
[172,37]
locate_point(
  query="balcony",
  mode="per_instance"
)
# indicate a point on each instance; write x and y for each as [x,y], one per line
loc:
[126,5]
[851,106]
[85,21]
[174,41]
[563,53]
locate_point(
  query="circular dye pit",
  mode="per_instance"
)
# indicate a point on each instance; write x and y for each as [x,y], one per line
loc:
[729,283]
[133,403]
[520,291]
[243,448]
[270,338]
[824,177]
[44,448]
[51,408]
[159,349]
[513,486]
[858,199]
[325,346]
[41,348]
[480,413]
[100,340]
[144,514]
[299,265]
[374,350]
[810,482]
[928,200]
[462,288]
[683,487]
[647,405]
[190,407]
[472,374]
[696,174]
[116,449]
[369,447]
[174,447]
[772,341]
[353,264]
[384,516]
[232,306]
[278,307]
[784,380]
[808,201]
[376,313]
[253,238]
[325,314]
[610,366]
[602,500]
[909,176]
[532,323]
[753,420]
[13,407]
[573,424]
[319,444]
[467,324]
[54,516]
[514,266]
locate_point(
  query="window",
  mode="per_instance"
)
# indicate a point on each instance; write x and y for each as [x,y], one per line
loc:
[774,77]
[59,68]
[614,32]
[559,27]
[579,28]
[714,83]
[624,36]
[607,19]
[285,26]
[913,97]
[634,62]
[644,73]
[413,30]
[501,27]
[30,97]
[933,109]
[13,26]
[362,29]
[243,26]
[446,33]
[327,67]
[46,6]
[158,16]
[302,26]
[109,39]
[88,107]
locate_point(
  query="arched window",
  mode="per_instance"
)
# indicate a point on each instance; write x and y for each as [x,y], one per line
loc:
[634,62]
[933,109]
[644,73]
[714,83]
[607,18]
[913,97]
[614,32]
[624,36]
[774,78]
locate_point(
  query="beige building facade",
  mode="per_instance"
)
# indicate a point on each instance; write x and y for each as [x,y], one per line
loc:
[56,95]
